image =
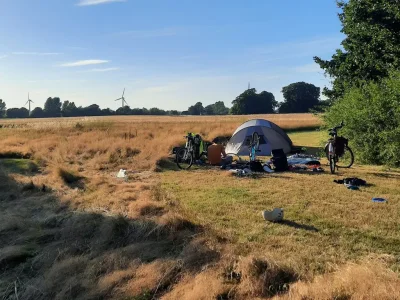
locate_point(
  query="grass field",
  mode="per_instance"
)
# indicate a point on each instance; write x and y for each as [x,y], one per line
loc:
[70,230]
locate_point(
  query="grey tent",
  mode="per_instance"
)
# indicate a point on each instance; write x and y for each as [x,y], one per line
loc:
[271,137]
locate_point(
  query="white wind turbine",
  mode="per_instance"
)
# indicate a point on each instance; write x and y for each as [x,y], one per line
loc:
[124,103]
[29,103]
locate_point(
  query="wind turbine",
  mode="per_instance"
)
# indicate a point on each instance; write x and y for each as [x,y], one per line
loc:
[124,103]
[248,87]
[29,102]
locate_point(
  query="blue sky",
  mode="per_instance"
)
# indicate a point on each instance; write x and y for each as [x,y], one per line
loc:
[166,53]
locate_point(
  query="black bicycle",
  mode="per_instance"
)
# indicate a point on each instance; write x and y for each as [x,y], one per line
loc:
[186,156]
[337,150]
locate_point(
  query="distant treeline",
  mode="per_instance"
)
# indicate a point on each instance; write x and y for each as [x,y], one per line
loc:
[299,97]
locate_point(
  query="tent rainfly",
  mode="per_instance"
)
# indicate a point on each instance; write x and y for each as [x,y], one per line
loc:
[271,137]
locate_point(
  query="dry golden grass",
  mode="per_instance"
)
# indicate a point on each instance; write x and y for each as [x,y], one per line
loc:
[69,229]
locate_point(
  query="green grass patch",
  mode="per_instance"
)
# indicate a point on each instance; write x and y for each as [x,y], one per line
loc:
[325,223]
[20,166]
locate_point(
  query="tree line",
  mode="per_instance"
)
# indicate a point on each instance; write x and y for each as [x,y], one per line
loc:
[299,97]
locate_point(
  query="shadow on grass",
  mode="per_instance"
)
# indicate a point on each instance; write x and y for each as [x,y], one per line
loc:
[385,175]
[55,252]
[299,226]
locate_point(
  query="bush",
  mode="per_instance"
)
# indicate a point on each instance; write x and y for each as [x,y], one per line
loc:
[371,114]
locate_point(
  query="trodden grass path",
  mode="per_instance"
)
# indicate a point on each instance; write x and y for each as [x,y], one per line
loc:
[326,224]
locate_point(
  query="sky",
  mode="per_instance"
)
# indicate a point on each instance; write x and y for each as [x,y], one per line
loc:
[166,53]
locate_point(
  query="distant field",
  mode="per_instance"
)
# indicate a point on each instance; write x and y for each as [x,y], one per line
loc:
[286,121]
[69,229]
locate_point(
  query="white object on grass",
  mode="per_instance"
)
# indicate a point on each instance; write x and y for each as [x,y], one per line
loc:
[121,174]
[275,215]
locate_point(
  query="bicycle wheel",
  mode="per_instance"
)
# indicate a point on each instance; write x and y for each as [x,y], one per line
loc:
[184,159]
[347,159]
[255,140]
[332,163]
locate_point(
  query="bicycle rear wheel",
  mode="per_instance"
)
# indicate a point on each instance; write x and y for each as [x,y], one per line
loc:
[184,159]
[332,163]
[347,159]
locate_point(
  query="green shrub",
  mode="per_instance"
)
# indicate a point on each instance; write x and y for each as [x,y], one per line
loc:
[371,114]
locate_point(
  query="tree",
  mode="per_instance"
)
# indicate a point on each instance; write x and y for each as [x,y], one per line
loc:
[124,111]
[218,108]
[249,102]
[2,108]
[156,111]
[107,112]
[37,112]
[196,109]
[91,110]
[17,113]
[299,97]
[371,47]
[69,109]
[371,116]
[52,107]
[173,113]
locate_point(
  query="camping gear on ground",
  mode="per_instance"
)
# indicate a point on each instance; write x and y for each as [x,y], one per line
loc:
[303,159]
[379,200]
[271,137]
[279,160]
[351,187]
[268,169]
[351,181]
[256,166]
[275,215]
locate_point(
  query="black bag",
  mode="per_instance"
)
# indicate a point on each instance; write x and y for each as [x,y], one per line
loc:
[256,166]
[279,160]
[340,143]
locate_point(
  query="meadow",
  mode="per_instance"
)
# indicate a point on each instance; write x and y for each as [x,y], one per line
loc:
[69,229]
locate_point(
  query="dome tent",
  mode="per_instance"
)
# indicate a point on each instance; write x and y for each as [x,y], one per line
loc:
[271,137]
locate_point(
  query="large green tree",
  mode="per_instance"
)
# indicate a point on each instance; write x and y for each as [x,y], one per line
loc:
[300,97]
[196,109]
[249,102]
[371,114]
[69,109]
[52,107]
[218,108]
[371,47]
[13,113]
[2,108]
[37,112]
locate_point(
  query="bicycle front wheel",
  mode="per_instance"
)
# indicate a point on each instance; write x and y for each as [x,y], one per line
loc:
[347,159]
[184,159]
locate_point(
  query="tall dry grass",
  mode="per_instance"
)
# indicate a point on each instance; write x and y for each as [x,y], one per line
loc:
[73,230]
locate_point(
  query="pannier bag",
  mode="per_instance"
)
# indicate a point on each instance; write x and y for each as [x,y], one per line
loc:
[340,144]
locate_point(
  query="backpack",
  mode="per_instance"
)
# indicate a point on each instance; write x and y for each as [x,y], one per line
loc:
[279,160]
[256,166]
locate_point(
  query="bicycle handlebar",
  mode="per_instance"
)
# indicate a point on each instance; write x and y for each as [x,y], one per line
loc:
[337,127]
